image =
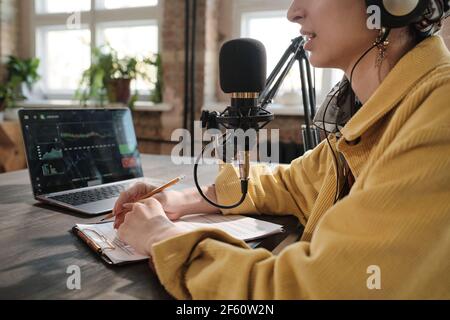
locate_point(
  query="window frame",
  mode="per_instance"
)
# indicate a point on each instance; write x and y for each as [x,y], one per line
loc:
[266,8]
[96,16]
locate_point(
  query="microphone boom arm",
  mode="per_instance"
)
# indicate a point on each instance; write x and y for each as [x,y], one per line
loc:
[295,53]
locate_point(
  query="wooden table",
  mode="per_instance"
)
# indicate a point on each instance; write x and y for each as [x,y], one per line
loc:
[37,247]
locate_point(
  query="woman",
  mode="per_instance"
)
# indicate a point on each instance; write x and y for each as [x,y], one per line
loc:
[389,213]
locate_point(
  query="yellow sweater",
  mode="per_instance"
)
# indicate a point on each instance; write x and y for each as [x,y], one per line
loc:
[396,217]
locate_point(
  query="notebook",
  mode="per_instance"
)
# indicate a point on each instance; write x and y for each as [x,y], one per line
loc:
[102,237]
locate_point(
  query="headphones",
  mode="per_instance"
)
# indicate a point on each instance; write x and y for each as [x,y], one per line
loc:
[399,13]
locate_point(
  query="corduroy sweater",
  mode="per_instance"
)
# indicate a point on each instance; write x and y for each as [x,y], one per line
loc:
[395,221]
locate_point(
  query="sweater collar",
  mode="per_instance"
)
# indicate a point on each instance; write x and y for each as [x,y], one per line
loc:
[425,57]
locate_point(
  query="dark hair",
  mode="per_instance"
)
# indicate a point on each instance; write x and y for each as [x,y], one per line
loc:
[415,34]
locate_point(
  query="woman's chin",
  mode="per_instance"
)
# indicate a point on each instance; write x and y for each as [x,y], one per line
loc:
[318,61]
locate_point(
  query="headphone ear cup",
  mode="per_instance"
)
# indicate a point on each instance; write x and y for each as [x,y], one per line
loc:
[399,13]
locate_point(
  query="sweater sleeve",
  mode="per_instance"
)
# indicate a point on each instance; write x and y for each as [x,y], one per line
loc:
[396,223]
[289,189]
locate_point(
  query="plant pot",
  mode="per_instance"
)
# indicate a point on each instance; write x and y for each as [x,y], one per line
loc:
[119,91]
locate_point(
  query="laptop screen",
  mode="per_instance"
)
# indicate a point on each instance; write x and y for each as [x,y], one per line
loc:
[71,149]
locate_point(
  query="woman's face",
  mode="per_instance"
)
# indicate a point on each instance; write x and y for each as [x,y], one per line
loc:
[338,29]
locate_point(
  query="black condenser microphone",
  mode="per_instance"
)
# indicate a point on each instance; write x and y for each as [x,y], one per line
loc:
[243,65]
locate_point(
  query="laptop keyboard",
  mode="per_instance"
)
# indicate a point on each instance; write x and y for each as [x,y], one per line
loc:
[93,195]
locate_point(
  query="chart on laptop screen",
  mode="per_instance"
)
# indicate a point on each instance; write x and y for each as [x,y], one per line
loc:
[79,148]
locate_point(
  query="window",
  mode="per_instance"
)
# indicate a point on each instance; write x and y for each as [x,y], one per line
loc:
[66,31]
[63,54]
[127,39]
[266,21]
[65,6]
[117,4]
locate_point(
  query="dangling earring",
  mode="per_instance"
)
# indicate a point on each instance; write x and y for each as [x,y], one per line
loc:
[382,43]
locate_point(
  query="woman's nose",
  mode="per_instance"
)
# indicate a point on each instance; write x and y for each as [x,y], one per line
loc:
[296,11]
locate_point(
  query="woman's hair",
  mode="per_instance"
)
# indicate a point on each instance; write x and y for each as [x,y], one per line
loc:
[415,35]
[431,22]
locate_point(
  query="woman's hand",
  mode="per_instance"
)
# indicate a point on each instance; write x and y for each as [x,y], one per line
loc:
[146,225]
[175,204]
[172,202]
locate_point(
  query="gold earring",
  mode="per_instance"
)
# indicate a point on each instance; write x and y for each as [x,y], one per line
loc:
[382,43]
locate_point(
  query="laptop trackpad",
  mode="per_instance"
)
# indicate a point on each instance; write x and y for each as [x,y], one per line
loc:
[98,207]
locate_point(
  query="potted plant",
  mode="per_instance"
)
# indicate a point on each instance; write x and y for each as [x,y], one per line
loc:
[22,74]
[157,93]
[109,77]
[6,98]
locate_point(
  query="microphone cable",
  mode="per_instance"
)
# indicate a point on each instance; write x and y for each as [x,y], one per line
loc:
[244,183]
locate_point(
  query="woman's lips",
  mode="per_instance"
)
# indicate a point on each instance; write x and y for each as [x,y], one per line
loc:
[309,42]
[309,37]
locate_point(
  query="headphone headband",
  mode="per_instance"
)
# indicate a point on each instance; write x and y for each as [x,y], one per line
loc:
[399,13]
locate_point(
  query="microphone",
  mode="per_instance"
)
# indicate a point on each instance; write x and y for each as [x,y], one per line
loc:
[243,65]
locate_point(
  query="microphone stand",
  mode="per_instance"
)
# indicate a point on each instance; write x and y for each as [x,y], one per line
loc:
[295,53]
[229,118]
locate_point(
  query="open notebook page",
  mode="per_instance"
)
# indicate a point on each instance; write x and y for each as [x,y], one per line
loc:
[243,228]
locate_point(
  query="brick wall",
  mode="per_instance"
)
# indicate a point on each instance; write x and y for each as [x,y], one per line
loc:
[173,45]
[9,31]
[173,77]
[225,30]
[211,66]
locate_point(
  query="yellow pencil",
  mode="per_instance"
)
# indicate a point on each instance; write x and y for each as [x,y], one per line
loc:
[153,192]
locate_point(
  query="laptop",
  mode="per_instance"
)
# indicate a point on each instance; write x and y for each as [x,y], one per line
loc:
[80,159]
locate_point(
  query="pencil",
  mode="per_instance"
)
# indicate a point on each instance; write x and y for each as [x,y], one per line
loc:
[152,193]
